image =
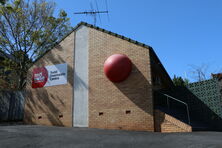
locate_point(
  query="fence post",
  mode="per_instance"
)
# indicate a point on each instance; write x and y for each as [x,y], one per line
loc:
[168,106]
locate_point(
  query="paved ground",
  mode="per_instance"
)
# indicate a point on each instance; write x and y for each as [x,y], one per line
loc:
[23,136]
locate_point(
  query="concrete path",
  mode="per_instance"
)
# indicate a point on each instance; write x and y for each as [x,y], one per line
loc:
[24,136]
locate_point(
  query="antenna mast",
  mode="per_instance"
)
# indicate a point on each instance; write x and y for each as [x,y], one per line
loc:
[94,12]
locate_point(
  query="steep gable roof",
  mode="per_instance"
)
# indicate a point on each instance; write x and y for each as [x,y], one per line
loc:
[99,29]
[113,34]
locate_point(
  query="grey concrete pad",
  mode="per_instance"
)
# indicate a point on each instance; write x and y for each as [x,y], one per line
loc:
[24,136]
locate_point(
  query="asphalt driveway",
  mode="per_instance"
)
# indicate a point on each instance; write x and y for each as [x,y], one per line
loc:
[24,136]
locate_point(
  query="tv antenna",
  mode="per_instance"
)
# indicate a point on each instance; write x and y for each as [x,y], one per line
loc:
[94,12]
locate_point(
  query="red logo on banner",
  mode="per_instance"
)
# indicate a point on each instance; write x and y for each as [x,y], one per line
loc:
[39,77]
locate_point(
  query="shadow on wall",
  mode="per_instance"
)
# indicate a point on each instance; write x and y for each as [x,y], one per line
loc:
[138,89]
[40,102]
[44,109]
[159,118]
[79,83]
[200,113]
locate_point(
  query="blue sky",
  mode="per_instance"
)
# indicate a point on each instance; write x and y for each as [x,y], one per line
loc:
[182,32]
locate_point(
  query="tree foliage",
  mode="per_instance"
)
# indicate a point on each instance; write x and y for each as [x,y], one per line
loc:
[8,74]
[179,81]
[28,29]
[2,2]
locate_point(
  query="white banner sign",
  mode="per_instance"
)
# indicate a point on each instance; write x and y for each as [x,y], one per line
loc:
[49,75]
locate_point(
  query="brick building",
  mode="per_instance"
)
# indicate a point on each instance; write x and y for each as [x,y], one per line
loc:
[87,98]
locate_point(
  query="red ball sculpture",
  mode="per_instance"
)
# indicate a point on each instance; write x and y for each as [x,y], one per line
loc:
[117,67]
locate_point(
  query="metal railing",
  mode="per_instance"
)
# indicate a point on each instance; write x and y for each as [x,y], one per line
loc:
[168,105]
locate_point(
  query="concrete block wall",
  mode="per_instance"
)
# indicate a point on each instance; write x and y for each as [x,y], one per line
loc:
[52,105]
[126,105]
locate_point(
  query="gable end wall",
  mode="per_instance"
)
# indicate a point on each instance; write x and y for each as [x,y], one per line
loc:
[126,105]
[52,105]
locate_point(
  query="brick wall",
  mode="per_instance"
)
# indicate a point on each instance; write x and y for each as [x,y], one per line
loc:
[52,105]
[126,105]
[166,123]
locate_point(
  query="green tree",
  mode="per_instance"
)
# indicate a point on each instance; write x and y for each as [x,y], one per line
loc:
[8,74]
[2,2]
[28,29]
[186,81]
[179,81]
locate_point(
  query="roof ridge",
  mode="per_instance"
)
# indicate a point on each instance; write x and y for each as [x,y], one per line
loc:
[97,28]
[115,34]
[111,33]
